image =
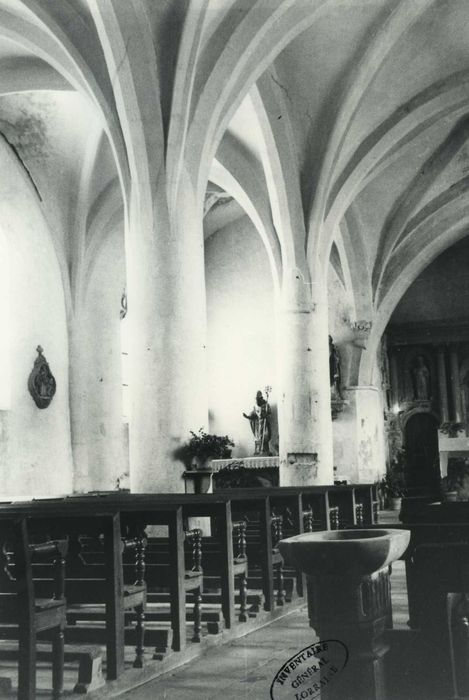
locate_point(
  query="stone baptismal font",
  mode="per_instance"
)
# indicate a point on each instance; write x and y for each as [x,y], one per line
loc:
[349,598]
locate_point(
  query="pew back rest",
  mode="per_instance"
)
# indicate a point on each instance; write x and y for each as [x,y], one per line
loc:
[438,568]
[17,571]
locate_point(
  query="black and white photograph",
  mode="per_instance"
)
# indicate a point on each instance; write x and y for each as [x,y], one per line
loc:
[234,349]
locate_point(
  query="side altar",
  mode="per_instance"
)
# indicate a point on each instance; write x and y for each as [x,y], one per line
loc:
[245,472]
[245,463]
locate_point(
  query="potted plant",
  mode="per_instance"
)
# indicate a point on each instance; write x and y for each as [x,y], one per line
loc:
[197,454]
[449,490]
[451,428]
[393,485]
[455,485]
[203,447]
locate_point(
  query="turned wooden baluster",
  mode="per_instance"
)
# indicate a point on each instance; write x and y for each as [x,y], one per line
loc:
[7,551]
[334,517]
[195,537]
[277,535]
[240,529]
[75,560]
[308,520]
[375,511]
[274,528]
[359,513]
[140,547]
[288,518]
[59,569]
[135,540]
[59,548]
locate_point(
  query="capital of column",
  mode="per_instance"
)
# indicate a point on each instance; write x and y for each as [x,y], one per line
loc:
[361,332]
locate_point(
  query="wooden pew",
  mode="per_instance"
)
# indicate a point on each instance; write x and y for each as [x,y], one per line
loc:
[212,556]
[430,522]
[114,513]
[30,615]
[87,582]
[158,577]
[141,510]
[438,589]
[325,507]
[88,516]
[253,505]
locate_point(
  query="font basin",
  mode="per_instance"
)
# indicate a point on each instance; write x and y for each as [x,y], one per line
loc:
[344,552]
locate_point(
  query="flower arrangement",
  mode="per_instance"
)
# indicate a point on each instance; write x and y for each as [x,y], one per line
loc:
[393,484]
[451,428]
[457,479]
[204,446]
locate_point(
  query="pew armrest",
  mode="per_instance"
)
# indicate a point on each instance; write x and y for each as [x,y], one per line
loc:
[195,538]
[56,549]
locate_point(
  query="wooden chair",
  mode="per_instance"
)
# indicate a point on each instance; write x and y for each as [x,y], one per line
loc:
[88,584]
[240,567]
[29,614]
[157,576]
[212,546]
[265,560]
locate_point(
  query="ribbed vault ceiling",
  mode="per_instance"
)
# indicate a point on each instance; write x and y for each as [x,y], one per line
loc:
[342,111]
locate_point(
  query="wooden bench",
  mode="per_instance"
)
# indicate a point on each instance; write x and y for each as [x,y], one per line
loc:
[259,571]
[158,578]
[86,589]
[100,584]
[29,614]
[89,660]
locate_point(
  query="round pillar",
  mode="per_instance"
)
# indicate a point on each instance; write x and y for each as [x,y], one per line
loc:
[306,425]
[360,432]
[99,450]
[167,318]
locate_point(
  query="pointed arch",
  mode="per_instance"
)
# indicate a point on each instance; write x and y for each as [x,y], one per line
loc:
[281,169]
[381,43]
[407,204]
[432,235]
[240,176]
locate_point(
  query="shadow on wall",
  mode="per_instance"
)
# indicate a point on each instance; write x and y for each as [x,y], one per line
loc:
[241,331]
[245,440]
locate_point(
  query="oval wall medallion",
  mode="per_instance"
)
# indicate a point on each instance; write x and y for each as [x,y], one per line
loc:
[41,382]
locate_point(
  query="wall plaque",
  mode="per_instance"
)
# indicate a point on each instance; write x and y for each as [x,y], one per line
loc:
[41,382]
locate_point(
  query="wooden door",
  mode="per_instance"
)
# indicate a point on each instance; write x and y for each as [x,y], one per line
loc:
[421,445]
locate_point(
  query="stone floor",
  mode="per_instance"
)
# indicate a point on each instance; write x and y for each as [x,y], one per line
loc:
[237,671]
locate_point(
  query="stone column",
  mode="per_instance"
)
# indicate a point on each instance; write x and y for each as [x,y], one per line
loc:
[96,377]
[167,317]
[442,384]
[360,428]
[303,359]
[455,387]
[77,389]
